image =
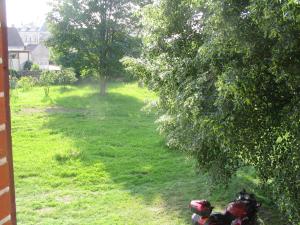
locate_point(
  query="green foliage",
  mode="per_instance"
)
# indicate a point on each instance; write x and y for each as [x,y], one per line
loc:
[63,77]
[26,83]
[66,76]
[227,74]
[93,34]
[69,59]
[48,78]
[13,82]
[35,67]
[27,66]
[88,73]
[14,73]
[135,67]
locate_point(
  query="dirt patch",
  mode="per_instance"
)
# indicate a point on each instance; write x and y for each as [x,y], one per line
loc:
[65,199]
[157,209]
[50,110]
[46,210]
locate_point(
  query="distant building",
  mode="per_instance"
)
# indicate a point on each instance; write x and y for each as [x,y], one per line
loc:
[31,34]
[39,54]
[18,55]
[28,43]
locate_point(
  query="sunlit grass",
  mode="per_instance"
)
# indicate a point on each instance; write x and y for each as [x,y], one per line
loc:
[85,159]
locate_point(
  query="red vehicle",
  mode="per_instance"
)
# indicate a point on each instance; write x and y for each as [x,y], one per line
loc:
[242,211]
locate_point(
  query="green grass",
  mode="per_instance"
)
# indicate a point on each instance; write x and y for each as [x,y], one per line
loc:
[85,159]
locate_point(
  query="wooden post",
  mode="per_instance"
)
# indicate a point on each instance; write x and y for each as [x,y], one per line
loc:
[7,190]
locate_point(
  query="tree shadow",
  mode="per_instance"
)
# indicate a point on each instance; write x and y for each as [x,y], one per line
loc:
[113,131]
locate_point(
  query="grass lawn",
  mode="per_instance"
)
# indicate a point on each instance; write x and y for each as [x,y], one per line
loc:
[85,159]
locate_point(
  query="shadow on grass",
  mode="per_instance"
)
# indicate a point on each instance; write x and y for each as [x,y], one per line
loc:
[113,131]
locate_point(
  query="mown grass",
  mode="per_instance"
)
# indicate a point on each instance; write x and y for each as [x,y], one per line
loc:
[85,159]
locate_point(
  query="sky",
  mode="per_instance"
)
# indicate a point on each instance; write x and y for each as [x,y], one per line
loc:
[26,11]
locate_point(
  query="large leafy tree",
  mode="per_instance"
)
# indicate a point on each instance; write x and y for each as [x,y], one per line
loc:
[93,34]
[227,74]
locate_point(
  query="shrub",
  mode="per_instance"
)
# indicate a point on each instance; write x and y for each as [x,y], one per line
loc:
[48,78]
[35,67]
[27,65]
[66,76]
[13,82]
[63,77]
[14,73]
[25,83]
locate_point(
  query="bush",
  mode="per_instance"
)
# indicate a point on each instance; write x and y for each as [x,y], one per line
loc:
[63,77]
[13,82]
[26,83]
[48,78]
[66,76]
[14,73]
[35,67]
[27,66]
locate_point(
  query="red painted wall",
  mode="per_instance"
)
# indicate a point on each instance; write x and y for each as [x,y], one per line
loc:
[7,192]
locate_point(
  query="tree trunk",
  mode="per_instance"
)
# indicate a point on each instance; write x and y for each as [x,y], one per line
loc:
[103,86]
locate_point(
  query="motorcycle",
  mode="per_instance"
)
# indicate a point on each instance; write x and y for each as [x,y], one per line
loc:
[242,211]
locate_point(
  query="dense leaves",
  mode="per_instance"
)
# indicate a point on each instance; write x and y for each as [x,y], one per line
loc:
[228,77]
[62,77]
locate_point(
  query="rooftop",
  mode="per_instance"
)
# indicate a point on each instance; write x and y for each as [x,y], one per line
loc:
[13,37]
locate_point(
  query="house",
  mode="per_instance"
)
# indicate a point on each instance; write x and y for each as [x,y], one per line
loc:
[29,35]
[18,55]
[32,34]
[27,43]
[39,54]
[34,39]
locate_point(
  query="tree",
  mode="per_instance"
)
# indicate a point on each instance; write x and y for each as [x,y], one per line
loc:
[227,76]
[69,60]
[93,33]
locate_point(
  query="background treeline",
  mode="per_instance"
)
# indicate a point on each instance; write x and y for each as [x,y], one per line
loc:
[228,78]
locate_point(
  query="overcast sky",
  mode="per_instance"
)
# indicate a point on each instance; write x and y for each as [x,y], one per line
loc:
[26,11]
